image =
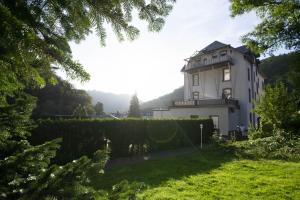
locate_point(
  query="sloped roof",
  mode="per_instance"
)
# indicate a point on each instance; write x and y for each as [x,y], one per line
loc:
[215,45]
[243,49]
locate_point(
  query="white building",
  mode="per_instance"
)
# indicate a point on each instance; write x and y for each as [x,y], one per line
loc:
[220,82]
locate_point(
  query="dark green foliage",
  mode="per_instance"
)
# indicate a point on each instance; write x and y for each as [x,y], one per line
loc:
[127,137]
[134,108]
[34,40]
[80,111]
[126,191]
[34,35]
[279,68]
[279,27]
[99,108]
[60,99]
[276,107]
[273,147]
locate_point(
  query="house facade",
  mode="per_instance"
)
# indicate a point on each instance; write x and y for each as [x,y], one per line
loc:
[220,82]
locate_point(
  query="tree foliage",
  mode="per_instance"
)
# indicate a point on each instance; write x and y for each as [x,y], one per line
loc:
[99,108]
[34,38]
[279,27]
[277,106]
[59,99]
[34,35]
[134,108]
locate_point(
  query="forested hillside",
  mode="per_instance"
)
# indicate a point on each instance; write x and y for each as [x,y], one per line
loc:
[60,99]
[163,101]
[277,68]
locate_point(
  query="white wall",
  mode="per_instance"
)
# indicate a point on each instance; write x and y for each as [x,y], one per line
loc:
[202,112]
[211,83]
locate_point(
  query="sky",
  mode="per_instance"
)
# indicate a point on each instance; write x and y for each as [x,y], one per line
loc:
[150,65]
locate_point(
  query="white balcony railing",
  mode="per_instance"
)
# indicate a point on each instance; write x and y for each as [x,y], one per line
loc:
[206,102]
[212,61]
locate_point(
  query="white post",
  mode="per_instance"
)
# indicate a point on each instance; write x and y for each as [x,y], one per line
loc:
[201,127]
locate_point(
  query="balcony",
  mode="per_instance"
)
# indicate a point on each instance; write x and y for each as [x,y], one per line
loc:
[207,102]
[219,61]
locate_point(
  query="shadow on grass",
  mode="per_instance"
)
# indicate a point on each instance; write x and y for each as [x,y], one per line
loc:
[155,172]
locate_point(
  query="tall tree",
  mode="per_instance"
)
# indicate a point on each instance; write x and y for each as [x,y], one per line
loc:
[34,38]
[279,27]
[134,109]
[34,35]
[99,108]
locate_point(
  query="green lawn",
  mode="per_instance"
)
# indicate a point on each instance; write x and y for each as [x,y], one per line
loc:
[210,174]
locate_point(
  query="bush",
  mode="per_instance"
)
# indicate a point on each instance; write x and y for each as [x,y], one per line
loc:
[126,137]
[278,146]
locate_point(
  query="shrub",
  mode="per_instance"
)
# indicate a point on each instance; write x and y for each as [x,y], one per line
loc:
[127,137]
[278,146]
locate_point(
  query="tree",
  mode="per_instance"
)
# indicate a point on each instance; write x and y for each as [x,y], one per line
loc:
[279,27]
[34,38]
[277,106]
[134,109]
[60,99]
[80,111]
[34,35]
[99,108]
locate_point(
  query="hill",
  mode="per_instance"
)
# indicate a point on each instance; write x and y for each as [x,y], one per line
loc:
[163,101]
[111,102]
[276,68]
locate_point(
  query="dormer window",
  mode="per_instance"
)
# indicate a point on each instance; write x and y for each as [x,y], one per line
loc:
[195,79]
[226,74]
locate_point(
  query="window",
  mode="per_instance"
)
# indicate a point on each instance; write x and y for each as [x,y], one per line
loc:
[215,119]
[205,61]
[227,92]
[195,95]
[256,70]
[214,57]
[257,86]
[249,91]
[195,79]
[223,53]
[250,118]
[226,74]
[248,74]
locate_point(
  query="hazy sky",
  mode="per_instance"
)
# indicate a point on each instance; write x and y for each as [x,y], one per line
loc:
[151,64]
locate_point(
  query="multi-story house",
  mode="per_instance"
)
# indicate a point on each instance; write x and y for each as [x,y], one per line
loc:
[220,82]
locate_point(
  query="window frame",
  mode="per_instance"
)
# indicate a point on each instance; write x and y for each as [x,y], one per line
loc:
[193,75]
[218,125]
[224,74]
[230,89]
[249,95]
[194,95]
[223,53]
[248,74]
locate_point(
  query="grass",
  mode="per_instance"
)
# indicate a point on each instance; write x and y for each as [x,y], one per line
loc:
[209,174]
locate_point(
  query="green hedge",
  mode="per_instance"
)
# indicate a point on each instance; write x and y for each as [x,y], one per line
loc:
[127,137]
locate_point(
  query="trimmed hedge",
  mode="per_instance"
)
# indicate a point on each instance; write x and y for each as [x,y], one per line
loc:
[126,137]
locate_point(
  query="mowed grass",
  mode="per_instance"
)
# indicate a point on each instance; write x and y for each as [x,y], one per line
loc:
[209,174]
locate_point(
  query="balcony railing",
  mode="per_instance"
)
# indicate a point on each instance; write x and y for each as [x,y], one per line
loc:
[206,102]
[212,61]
